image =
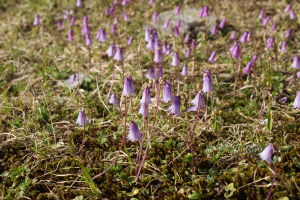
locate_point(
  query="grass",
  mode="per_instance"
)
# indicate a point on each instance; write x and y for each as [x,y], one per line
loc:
[39,145]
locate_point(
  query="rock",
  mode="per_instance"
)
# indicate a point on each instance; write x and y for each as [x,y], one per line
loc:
[75,80]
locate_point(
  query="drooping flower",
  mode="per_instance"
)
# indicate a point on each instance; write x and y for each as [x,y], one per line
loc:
[128,88]
[248,67]
[154,16]
[166,24]
[113,29]
[212,57]
[203,12]
[175,60]
[113,99]
[150,44]
[274,26]
[159,73]
[101,35]
[188,52]
[288,33]
[125,17]
[222,23]
[146,98]
[36,21]
[144,110]
[283,47]
[187,39]
[167,92]
[244,37]
[59,24]
[88,41]
[193,44]
[235,50]
[70,35]
[233,35]
[214,30]
[111,51]
[270,43]
[119,54]
[298,74]
[175,107]
[261,14]
[297,100]
[266,20]
[67,14]
[176,31]
[72,21]
[156,44]
[151,73]
[130,40]
[134,132]
[147,34]
[283,100]
[267,153]
[157,56]
[207,82]
[82,120]
[288,8]
[198,103]
[254,58]
[79,3]
[296,62]
[85,27]
[184,71]
[292,14]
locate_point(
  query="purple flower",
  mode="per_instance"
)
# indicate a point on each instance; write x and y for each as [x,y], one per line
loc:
[79,3]
[203,12]
[288,33]
[101,35]
[169,49]
[130,40]
[125,17]
[283,46]
[267,153]
[85,27]
[177,10]
[207,82]
[296,62]
[212,57]
[261,14]
[36,21]
[73,81]
[157,56]
[214,30]
[88,41]
[288,8]
[128,88]
[134,132]
[70,35]
[167,92]
[235,50]
[59,24]
[159,73]
[175,60]
[283,100]
[266,20]
[119,54]
[297,100]
[111,51]
[150,44]
[151,73]
[144,110]
[184,71]
[72,21]
[113,29]
[156,44]
[274,26]
[188,52]
[254,58]
[233,35]
[298,74]
[222,23]
[148,34]
[150,2]
[244,37]
[270,43]
[113,99]
[67,14]
[175,107]
[248,67]
[154,16]
[176,31]
[124,2]
[193,44]
[166,24]
[292,14]
[198,102]
[146,98]
[82,119]
[186,39]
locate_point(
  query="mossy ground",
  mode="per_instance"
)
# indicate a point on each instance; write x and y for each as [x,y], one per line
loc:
[39,156]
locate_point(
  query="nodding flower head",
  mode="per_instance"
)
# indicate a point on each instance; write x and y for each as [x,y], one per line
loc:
[111,51]
[292,14]
[222,23]
[166,24]
[85,26]
[207,82]
[248,67]
[119,54]
[159,73]
[203,12]
[188,52]
[233,35]
[212,57]
[274,26]
[193,44]
[128,88]
[267,153]
[283,47]
[288,8]
[150,44]
[36,21]
[288,33]
[130,40]
[175,107]
[151,73]
[146,98]
[72,21]
[154,16]
[167,92]
[147,34]
[59,24]
[144,110]
[214,30]
[296,62]
[157,56]
[198,103]
[184,71]
[261,14]
[187,39]
[101,35]
[125,17]
[82,120]
[297,100]
[176,31]
[79,3]
[266,20]
[134,132]
[175,59]
[244,37]
[177,10]
[235,50]
[88,41]
[113,99]
[254,58]
[70,35]
[113,29]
